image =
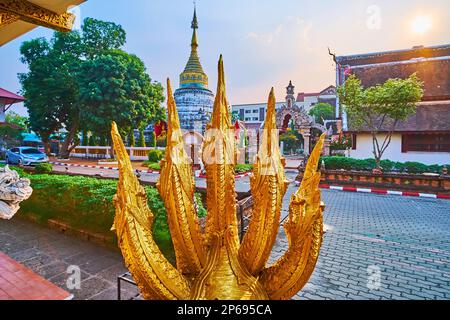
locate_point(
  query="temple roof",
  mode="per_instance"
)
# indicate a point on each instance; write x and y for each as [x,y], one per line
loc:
[430,117]
[395,55]
[27,15]
[193,75]
[8,98]
[434,72]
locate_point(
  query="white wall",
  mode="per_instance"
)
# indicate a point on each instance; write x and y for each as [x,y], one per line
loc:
[364,149]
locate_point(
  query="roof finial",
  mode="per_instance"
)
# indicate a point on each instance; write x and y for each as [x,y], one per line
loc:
[194,24]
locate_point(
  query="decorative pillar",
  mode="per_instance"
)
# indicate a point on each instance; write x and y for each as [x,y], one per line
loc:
[306,138]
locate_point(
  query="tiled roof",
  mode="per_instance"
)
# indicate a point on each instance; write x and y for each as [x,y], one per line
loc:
[396,55]
[430,117]
[435,73]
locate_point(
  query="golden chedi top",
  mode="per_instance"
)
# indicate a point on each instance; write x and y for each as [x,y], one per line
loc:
[193,75]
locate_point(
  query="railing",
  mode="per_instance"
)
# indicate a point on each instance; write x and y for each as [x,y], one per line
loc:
[135,153]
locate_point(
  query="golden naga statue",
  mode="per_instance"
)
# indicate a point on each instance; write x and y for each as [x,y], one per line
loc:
[215,265]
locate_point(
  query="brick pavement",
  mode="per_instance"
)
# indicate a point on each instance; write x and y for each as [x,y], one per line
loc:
[406,239]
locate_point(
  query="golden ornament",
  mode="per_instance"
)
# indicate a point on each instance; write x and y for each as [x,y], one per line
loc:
[215,265]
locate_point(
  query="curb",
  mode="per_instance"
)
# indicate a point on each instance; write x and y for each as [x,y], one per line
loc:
[384,191]
[238,176]
[201,176]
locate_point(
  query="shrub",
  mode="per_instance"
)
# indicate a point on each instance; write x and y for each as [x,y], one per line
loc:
[152,165]
[242,168]
[338,163]
[44,168]
[155,155]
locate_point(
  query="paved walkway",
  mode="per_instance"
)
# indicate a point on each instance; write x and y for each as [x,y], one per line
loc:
[20,283]
[376,247]
[380,247]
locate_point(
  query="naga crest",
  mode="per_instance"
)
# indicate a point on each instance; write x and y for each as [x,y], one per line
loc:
[13,190]
[215,264]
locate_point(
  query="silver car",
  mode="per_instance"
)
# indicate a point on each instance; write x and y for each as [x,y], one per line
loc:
[26,156]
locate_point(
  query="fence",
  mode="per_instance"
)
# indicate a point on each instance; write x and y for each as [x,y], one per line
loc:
[135,153]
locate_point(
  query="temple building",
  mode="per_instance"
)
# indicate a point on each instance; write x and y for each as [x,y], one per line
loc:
[256,112]
[194,99]
[424,136]
[291,114]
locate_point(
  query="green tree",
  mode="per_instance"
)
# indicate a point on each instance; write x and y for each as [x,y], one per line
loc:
[116,87]
[84,138]
[379,108]
[322,111]
[91,141]
[142,143]
[131,138]
[153,142]
[50,87]
[60,96]
[291,140]
[17,119]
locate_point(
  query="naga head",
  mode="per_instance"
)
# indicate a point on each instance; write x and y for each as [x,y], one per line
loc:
[216,264]
[13,190]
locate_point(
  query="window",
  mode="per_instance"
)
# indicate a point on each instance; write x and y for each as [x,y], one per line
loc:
[248,111]
[255,111]
[426,142]
[255,119]
[248,119]
[31,151]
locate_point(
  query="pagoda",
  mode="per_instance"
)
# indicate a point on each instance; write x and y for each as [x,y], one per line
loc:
[194,100]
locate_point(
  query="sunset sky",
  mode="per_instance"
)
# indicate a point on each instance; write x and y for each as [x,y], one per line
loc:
[264,43]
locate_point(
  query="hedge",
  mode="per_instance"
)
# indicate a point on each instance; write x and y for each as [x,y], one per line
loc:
[86,203]
[152,165]
[155,155]
[44,168]
[337,163]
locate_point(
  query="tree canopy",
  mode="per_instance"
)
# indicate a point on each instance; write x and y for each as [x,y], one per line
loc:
[379,108]
[17,119]
[322,111]
[81,81]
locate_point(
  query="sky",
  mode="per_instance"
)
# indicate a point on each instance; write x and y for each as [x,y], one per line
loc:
[264,43]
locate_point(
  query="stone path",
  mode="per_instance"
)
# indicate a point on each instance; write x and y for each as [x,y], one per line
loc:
[402,242]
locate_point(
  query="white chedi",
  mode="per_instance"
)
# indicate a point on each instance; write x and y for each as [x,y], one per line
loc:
[13,190]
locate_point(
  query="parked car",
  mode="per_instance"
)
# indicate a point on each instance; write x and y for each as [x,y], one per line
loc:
[27,156]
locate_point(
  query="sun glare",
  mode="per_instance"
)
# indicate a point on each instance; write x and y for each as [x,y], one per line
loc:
[421,24]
